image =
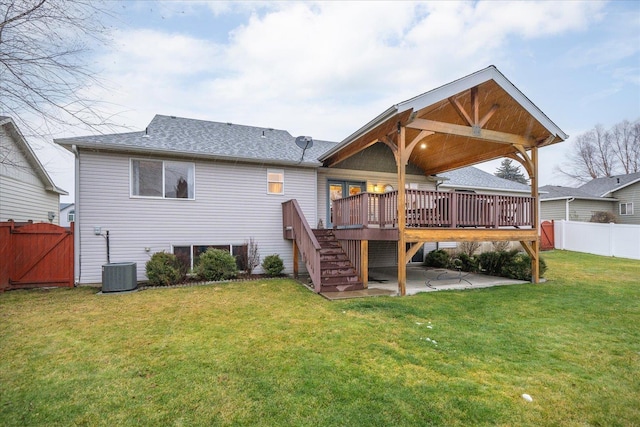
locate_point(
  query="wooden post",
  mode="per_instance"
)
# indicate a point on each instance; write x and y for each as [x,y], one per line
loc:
[364,262]
[402,220]
[535,260]
[295,259]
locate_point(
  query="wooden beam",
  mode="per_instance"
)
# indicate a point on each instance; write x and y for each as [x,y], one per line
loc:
[350,151]
[413,249]
[469,234]
[409,149]
[364,263]
[469,132]
[487,116]
[535,261]
[460,110]
[475,105]
[402,262]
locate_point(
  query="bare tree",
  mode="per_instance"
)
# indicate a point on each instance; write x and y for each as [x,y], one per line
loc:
[44,46]
[600,153]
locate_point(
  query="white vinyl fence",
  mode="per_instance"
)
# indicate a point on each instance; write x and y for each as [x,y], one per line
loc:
[618,240]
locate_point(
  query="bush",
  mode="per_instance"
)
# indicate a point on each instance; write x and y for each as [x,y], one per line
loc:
[469,248]
[491,263]
[438,259]
[519,267]
[273,265]
[216,264]
[603,217]
[164,269]
[469,263]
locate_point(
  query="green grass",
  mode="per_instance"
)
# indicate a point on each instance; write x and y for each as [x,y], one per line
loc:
[270,353]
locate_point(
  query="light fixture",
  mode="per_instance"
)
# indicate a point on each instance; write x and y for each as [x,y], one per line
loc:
[423,145]
[375,188]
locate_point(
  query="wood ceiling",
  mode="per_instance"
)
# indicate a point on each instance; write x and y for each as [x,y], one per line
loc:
[473,126]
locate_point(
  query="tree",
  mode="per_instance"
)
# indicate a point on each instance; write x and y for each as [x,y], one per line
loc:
[508,170]
[43,71]
[600,153]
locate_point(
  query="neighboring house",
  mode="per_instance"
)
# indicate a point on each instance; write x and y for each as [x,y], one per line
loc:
[183,185]
[27,192]
[619,195]
[67,214]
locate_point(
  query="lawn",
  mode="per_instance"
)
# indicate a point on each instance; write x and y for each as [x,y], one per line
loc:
[271,353]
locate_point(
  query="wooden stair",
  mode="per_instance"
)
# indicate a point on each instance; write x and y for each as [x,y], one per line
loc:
[337,272]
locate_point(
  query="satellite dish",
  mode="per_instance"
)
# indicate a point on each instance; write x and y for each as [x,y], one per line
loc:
[304,142]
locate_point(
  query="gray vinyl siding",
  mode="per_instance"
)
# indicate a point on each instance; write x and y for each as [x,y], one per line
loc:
[630,194]
[582,210]
[231,205]
[371,178]
[23,196]
[553,210]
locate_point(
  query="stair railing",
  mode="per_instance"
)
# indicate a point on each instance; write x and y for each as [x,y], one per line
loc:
[297,228]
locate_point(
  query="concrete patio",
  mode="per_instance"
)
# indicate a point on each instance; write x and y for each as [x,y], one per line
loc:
[383,281]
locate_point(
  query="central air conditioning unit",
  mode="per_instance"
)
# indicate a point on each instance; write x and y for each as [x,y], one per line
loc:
[119,277]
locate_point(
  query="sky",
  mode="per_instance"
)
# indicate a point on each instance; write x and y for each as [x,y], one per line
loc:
[324,69]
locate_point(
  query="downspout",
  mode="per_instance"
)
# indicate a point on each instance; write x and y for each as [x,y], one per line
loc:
[566,213]
[76,219]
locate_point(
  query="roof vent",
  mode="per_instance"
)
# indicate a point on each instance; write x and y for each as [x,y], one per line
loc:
[146,133]
[263,135]
[618,180]
[229,123]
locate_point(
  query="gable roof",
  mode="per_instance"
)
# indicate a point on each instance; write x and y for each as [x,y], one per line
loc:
[30,155]
[474,178]
[603,187]
[509,115]
[556,192]
[215,140]
[64,206]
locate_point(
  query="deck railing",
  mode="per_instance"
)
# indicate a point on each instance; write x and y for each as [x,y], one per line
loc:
[296,227]
[432,209]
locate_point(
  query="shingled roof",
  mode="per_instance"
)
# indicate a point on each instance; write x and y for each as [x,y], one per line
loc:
[471,177]
[557,192]
[603,187]
[191,137]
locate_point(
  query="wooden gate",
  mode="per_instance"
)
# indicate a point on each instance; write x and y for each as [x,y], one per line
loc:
[35,255]
[547,238]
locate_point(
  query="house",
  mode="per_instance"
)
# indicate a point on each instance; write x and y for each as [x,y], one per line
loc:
[67,214]
[183,185]
[27,192]
[618,195]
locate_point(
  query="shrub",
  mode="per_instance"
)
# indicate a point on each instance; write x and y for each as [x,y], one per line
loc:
[216,264]
[519,267]
[438,259]
[164,269]
[273,265]
[469,263]
[491,263]
[603,217]
[469,248]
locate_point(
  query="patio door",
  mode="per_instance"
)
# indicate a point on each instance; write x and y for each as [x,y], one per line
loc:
[418,256]
[339,189]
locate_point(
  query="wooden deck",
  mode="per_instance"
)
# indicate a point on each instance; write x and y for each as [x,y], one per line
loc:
[430,210]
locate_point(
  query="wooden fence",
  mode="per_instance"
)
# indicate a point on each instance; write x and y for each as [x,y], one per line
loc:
[35,255]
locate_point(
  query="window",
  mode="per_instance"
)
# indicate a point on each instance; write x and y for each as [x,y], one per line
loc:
[275,181]
[71,216]
[162,179]
[189,256]
[626,208]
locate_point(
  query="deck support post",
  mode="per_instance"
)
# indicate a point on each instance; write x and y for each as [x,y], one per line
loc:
[295,259]
[364,263]
[535,260]
[402,220]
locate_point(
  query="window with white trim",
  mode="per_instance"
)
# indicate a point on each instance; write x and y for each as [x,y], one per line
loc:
[71,216]
[626,208]
[162,179]
[275,181]
[189,255]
